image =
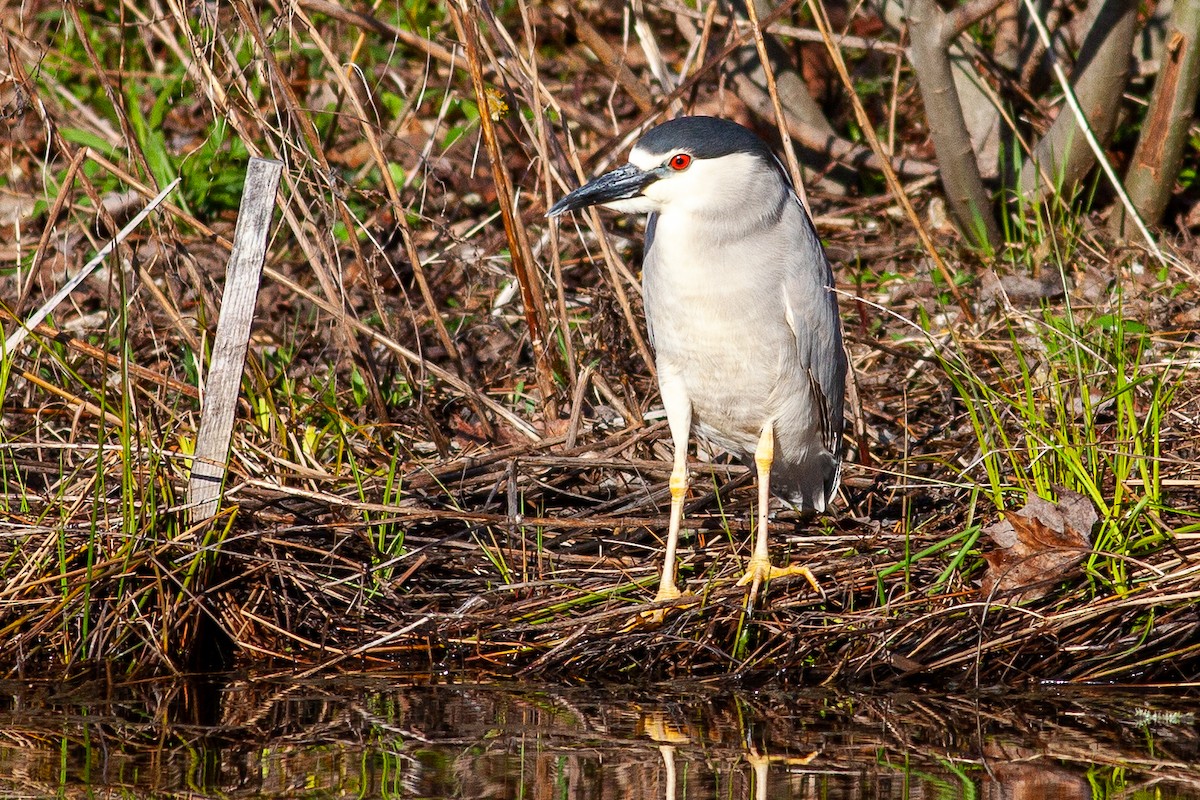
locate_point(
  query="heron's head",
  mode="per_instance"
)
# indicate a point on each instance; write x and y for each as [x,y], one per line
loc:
[700,165]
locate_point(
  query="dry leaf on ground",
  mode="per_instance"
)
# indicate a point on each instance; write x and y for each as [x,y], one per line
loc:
[1038,545]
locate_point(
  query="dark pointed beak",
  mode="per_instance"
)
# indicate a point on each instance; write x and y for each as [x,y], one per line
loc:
[620,184]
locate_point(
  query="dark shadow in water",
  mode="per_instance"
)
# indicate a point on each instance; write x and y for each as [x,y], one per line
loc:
[380,737]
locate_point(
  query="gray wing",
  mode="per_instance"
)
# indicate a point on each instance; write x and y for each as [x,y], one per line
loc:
[647,254]
[812,312]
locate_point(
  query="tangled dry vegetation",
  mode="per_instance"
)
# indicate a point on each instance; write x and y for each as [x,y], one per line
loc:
[448,452]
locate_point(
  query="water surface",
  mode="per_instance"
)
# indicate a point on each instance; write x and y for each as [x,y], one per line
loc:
[383,737]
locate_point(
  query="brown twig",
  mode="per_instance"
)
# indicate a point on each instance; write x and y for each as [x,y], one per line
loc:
[893,182]
[528,277]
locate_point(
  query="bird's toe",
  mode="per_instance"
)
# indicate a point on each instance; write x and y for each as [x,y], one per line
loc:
[653,617]
[760,571]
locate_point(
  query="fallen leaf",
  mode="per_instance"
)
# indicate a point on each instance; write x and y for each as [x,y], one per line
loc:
[1037,546]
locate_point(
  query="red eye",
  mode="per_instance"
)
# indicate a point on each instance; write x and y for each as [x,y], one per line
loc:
[680,161]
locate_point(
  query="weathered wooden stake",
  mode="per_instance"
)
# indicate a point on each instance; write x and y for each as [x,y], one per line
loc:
[219,398]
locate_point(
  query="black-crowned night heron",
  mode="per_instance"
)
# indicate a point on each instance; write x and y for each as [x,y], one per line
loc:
[741,314]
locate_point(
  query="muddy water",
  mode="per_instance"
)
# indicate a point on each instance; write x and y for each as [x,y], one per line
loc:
[377,737]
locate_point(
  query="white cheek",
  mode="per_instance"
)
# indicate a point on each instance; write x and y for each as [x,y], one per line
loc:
[635,205]
[678,188]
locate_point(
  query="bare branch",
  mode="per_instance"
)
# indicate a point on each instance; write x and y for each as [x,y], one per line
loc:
[1063,156]
[966,196]
[1155,165]
[965,16]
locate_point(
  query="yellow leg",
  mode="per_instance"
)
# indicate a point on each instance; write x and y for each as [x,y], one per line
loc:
[761,764]
[667,590]
[759,569]
[679,419]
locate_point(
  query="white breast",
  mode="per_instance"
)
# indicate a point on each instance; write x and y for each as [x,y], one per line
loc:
[739,331]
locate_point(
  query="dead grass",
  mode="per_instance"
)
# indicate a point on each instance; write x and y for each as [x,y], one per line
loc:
[416,480]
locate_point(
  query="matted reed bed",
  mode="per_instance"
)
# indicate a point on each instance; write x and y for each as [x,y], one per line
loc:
[534,559]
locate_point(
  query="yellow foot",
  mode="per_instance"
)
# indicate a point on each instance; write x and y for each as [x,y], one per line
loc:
[653,617]
[667,593]
[760,570]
